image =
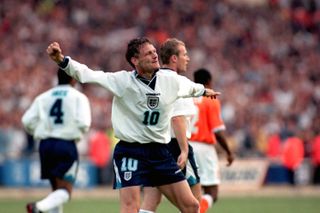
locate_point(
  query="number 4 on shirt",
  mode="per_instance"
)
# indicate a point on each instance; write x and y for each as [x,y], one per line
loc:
[56,111]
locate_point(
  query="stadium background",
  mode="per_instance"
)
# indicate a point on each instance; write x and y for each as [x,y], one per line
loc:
[263,54]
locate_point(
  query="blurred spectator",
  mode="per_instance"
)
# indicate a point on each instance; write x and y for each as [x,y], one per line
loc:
[316,159]
[100,152]
[274,148]
[292,156]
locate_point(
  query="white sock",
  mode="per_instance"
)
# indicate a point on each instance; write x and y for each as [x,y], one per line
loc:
[145,211]
[208,198]
[54,199]
[58,209]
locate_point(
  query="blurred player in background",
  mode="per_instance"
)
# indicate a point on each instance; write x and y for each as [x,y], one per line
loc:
[207,129]
[58,118]
[142,103]
[174,57]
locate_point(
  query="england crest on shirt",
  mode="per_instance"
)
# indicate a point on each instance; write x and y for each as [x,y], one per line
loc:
[152,100]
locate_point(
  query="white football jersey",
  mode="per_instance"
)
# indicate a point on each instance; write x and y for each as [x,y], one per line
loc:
[185,107]
[61,112]
[139,113]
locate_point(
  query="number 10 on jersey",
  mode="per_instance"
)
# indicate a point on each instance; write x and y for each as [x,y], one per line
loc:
[151,117]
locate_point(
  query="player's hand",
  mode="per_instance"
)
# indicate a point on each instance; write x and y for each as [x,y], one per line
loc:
[55,52]
[182,160]
[211,93]
[230,159]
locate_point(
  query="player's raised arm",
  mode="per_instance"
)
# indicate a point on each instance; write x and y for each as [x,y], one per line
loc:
[55,52]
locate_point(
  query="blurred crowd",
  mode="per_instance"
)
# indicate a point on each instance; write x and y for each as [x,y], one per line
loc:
[265,59]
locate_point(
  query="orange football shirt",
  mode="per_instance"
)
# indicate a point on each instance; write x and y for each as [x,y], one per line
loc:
[207,120]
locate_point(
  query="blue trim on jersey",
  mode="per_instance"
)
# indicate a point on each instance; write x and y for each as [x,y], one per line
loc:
[150,83]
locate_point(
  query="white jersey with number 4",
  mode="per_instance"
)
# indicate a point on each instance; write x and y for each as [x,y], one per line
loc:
[139,113]
[61,112]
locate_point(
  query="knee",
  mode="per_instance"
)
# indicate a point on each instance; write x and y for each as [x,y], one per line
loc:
[194,206]
[190,207]
[128,205]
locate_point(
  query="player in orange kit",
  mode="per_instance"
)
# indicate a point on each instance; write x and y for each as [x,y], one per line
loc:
[207,129]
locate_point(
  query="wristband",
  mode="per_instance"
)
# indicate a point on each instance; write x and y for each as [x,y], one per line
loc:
[204,92]
[64,63]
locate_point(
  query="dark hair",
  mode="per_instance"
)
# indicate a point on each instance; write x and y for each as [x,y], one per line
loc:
[133,48]
[202,76]
[63,77]
[168,49]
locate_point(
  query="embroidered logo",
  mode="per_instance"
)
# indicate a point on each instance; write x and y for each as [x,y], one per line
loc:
[152,100]
[127,176]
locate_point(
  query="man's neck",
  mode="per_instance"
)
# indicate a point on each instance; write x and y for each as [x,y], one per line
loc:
[169,66]
[146,75]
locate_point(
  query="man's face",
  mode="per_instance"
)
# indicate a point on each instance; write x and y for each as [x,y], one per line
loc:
[147,60]
[182,59]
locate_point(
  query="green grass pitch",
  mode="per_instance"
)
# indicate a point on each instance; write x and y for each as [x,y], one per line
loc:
[274,204]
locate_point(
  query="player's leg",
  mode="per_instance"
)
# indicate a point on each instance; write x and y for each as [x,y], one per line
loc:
[59,164]
[58,209]
[53,203]
[208,198]
[207,161]
[61,194]
[129,199]
[151,199]
[193,178]
[169,178]
[212,191]
[192,175]
[196,191]
[191,169]
[180,195]
[131,172]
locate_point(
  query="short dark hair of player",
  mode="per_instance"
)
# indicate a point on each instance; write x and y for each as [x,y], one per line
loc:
[169,48]
[63,77]
[202,76]
[133,48]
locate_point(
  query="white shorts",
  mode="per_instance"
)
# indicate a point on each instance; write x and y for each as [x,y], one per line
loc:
[207,160]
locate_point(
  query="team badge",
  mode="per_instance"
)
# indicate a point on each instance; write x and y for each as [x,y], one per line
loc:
[127,176]
[153,102]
